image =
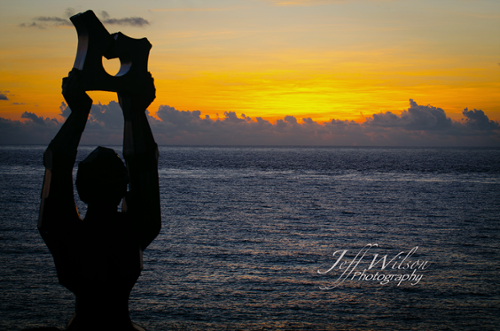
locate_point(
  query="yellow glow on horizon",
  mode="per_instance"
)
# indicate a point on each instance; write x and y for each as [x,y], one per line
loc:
[345,91]
[342,93]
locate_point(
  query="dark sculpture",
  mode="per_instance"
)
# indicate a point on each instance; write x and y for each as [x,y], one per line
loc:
[94,42]
[100,258]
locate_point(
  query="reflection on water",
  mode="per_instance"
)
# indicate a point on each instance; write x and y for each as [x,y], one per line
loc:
[245,231]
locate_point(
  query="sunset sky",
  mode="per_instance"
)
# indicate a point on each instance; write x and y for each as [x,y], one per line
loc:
[310,59]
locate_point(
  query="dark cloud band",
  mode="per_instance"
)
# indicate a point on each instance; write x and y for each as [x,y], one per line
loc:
[42,22]
[417,126]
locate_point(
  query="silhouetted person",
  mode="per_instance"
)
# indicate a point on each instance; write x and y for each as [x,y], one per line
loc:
[100,258]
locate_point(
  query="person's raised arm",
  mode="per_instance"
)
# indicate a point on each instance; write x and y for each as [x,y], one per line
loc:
[58,205]
[142,203]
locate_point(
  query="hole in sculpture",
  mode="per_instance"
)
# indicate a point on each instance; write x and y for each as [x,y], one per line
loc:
[111,66]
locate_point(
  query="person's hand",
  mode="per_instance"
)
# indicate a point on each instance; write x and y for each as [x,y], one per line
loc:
[131,101]
[77,99]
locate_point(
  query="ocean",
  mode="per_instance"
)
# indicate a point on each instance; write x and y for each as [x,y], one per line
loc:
[286,238]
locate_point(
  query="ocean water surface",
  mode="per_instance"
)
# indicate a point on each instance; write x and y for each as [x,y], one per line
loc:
[246,230]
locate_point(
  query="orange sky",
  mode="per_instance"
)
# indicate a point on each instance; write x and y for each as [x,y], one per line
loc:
[318,59]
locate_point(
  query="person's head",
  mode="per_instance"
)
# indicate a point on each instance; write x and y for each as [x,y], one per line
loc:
[102,178]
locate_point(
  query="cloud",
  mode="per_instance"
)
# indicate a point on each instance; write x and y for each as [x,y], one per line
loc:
[415,118]
[104,14]
[57,21]
[43,22]
[3,97]
[104,126]
[417,126]
[32,25]
[477,120]
[36,130]
[187,9]
[132,21]
[34,118]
